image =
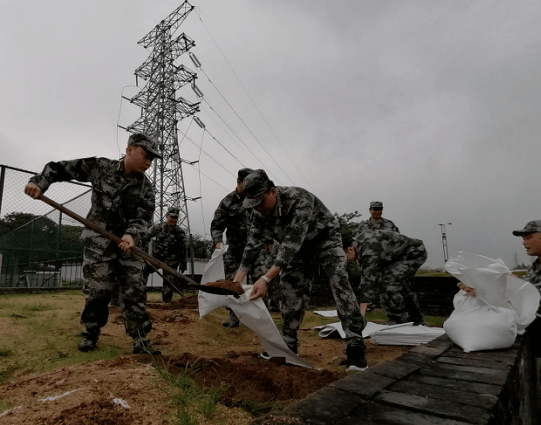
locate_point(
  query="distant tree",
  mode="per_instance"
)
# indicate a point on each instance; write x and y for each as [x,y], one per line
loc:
[348,227]
[29,231]
[70,240]
[36,238]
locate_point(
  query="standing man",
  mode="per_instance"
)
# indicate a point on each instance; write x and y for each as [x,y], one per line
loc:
[307,235]
[365,255]
[169,247]
[531,239]
[391,261]
[376,221]
[123,204]
[231,217]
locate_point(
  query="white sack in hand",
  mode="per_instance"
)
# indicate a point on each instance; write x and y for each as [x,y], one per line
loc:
[251,313]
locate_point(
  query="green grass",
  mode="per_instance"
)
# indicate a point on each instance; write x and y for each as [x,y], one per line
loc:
[432,273]
[44,330]
[191,401]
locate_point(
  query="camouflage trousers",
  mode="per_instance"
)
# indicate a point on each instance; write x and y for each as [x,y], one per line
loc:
[294,292]
[101,273]
[395,288]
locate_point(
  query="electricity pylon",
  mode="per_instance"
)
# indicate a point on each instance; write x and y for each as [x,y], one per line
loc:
[162,109]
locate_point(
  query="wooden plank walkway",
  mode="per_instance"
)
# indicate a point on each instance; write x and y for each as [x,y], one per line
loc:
[435,383]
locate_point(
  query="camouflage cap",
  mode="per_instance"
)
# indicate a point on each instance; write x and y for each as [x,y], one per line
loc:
[172,212]
[531,227]
[376,204]
[146,142]
[243,172]
[255,186]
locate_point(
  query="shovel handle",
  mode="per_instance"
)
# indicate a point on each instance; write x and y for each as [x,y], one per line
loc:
[155,262]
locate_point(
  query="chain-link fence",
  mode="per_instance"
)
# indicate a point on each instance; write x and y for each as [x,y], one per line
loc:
[39,246]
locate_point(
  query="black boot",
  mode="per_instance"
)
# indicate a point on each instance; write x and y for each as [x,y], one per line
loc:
[356,358]
[232,321]
[143,346]
[88,343]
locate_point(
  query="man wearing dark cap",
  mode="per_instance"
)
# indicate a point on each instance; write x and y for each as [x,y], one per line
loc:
[366,237]
[531,239]
[308,235]
[123,204]
[231,218]
[376,221]
[169,247]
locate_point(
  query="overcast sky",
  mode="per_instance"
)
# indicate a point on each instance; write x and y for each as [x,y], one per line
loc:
[431,107]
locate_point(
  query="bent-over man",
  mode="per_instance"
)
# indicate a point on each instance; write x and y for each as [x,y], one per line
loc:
[307,235]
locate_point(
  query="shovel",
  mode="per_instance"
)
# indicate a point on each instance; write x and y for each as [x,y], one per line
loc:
[184,280]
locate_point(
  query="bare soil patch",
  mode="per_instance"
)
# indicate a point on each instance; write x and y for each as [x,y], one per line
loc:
[128,390]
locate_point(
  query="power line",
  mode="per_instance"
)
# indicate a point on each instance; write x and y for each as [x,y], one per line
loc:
[255,105]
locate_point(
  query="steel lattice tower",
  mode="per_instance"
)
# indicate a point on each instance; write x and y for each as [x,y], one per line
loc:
[162,109]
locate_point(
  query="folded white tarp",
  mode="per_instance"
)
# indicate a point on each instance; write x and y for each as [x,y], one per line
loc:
[251,313]
[327,313]
[406,335]
[402,334]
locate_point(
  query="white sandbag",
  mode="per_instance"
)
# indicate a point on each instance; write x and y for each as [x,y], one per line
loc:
[475,326]
[503,306]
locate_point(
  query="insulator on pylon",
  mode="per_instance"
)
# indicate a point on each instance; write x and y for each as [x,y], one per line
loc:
[198,92]
[199,122]
[194,60]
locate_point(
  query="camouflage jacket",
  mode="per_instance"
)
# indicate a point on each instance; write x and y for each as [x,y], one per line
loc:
[169,243]
[534,277]
[379,248]
[300,223]
[230,215]
[383,224]
[118,204]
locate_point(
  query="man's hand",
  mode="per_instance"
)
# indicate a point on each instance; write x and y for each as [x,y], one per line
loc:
[468,291]
[219,245]
[259,290]
[127,243]
[32,190]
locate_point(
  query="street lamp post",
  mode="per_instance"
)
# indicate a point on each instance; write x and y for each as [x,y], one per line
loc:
[444,240]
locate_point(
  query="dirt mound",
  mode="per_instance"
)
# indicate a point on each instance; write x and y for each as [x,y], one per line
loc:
[102,411]
[183,303]
[248,377]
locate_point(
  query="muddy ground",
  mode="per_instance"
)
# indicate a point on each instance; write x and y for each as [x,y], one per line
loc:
[128,390]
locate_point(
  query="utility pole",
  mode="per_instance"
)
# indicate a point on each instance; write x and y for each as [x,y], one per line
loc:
[444,240]
[162,109]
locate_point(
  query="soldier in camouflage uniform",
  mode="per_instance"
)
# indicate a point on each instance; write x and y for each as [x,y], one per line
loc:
[231,217]
[308,235]
[531,235]
[375,222]
[393,260]
[123,204]
[169,247]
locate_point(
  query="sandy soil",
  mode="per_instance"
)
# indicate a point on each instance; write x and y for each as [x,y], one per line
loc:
[127,390]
